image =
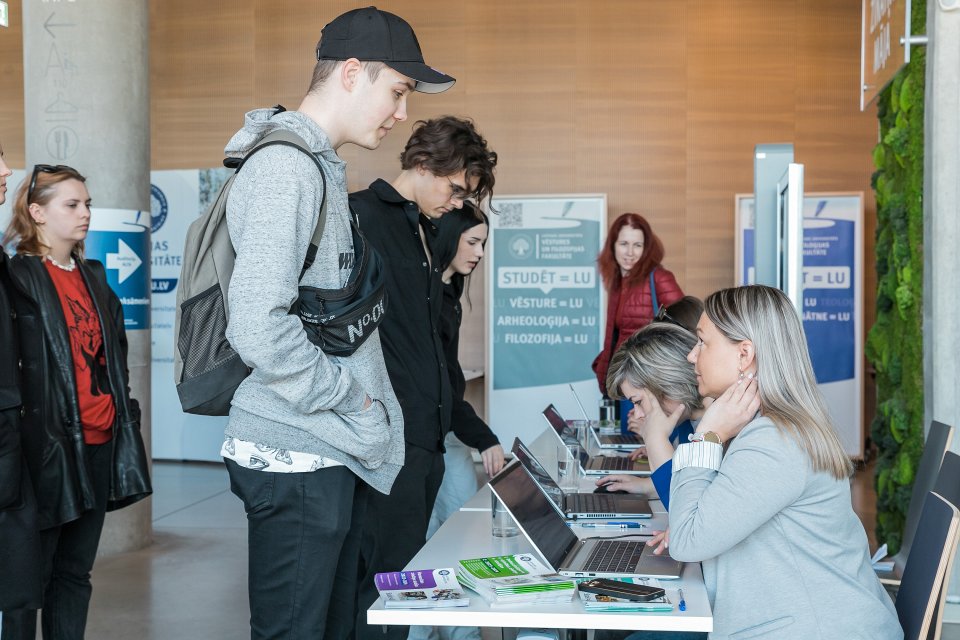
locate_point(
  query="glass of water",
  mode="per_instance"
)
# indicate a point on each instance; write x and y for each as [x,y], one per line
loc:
[503,525]
[568,467]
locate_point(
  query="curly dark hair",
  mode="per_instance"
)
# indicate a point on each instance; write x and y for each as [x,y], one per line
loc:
[447,145]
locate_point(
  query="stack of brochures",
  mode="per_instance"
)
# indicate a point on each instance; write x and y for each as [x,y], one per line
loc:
[599,602]
[426,589]
[515,579]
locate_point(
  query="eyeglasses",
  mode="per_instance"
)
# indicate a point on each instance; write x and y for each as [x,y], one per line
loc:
[663,316]
[456,191]
[44,168]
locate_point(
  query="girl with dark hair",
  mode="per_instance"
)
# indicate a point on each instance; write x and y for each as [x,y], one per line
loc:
[636,283]
[80,428]
[459,246]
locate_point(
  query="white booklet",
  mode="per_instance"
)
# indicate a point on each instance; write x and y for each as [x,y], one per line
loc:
[421,589]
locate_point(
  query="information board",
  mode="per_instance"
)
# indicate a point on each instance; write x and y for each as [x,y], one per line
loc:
[832,299]
[120,239]
[545,309]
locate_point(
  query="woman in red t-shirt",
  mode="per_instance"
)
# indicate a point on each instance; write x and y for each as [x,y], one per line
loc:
[80,428]
[630,255]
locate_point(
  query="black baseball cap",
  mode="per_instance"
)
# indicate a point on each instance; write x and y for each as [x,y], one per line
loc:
[372,35]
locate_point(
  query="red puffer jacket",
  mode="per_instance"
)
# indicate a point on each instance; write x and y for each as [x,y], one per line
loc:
[630,310]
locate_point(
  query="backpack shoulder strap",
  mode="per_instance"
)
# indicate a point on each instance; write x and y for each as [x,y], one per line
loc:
[653,292]
[290,139]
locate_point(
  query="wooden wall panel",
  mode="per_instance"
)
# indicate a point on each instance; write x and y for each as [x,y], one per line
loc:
[740,92]
[657,104]
[201,78]
[11,90]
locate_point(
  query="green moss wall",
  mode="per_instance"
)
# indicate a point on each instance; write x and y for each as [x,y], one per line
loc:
[895,342]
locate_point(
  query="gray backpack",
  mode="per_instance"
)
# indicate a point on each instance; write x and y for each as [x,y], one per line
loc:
[207,371]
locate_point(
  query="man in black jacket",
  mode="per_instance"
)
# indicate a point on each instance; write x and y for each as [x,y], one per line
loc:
[445,162]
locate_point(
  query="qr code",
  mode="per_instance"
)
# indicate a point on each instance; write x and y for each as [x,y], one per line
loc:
[511,215]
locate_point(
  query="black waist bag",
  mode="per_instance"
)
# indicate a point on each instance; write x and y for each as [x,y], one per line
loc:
[340,320]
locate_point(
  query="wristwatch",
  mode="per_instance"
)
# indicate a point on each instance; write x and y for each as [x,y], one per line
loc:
[706,436]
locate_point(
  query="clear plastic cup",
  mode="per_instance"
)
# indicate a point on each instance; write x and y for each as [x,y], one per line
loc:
[568,467]
[502,525]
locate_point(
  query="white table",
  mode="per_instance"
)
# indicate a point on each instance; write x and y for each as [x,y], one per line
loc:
[466,534]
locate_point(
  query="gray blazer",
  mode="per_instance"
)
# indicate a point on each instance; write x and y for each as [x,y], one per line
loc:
[784,555]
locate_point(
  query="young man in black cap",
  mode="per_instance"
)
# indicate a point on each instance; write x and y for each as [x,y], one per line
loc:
[307,433]
[445,162]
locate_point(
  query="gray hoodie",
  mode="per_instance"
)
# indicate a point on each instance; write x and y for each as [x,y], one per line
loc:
[298,398]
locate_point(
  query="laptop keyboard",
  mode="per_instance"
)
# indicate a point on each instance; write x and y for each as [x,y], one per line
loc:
[622,439]
[614,556]
[618,463]
[593,503]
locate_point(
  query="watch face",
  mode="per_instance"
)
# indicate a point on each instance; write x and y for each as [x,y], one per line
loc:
[710,436]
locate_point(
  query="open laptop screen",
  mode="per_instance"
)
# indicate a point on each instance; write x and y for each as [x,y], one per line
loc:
[556,421]
[565,435]
[533,465]
[547,530]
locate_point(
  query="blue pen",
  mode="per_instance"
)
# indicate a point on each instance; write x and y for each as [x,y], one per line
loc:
[683,603]
[612,525]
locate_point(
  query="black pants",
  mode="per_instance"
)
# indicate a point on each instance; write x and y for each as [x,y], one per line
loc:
[395,531]
[68,553]
[303,543]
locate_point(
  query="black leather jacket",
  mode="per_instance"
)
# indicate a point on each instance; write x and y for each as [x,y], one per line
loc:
[51,428]
[20,583]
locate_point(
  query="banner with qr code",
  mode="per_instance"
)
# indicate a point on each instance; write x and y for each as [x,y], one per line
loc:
[546,307]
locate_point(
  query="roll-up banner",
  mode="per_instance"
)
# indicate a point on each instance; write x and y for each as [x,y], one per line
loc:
[545,306]
[176,199]
[832,299]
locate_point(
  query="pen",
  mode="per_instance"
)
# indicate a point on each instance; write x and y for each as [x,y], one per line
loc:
[612,525]
[683,603]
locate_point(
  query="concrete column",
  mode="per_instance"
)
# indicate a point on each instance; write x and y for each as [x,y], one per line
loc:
[86,100]
[941,224]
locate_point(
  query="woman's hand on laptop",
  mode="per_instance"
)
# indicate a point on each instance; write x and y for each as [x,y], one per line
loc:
[660,540]
[618,482]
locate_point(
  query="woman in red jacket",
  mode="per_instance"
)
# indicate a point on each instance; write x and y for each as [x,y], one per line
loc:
[636,284]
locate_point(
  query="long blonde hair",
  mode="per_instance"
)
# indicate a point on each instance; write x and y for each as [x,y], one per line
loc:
[23,228]
[788,389]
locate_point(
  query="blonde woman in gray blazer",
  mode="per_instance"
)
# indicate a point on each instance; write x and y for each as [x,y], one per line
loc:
[767,508]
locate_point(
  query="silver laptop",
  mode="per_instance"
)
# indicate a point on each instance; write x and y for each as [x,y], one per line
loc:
[601,465]
[575,506]
[615,440]
[549,534]
[612,441]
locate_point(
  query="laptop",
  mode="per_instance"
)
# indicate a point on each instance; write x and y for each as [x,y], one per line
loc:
[617,441]
[575,506]
[601,465]
[549,534]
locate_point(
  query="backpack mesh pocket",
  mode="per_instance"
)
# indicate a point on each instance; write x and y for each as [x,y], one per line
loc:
[203,341]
